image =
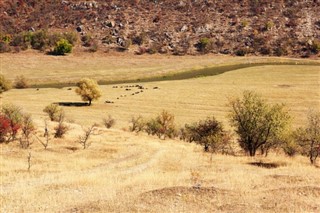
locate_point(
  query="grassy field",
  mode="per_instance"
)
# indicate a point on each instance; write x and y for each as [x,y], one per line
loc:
[126,172]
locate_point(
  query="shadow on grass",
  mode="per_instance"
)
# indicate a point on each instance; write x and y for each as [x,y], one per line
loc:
[72,104]
[267,165]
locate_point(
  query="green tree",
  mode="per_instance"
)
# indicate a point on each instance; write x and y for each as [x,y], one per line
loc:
[62,47]
[88,89]
[258,124]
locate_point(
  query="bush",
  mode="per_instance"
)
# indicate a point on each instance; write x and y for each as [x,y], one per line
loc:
[62,47]
[109,122]
[14,115]
[4,128]
[61,129]
[140,39]
[315,47]
[54,111]
[163,125]
[21,82]
[137,124]
[4,47]
[39,40]
[5,85]
[204,45]
[208,133]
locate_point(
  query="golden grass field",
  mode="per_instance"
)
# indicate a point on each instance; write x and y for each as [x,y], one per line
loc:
[127,172]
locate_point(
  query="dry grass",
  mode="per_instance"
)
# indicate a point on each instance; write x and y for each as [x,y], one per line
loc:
[125,172]
[46,69]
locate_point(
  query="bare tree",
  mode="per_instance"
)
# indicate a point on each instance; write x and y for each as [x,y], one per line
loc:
[46,135]
[84,139]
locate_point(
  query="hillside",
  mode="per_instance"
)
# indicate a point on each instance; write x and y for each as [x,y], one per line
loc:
[233,27]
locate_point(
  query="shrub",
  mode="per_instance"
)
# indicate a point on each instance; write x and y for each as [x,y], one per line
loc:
[53,111]
[163,125]
[241,52]
[71,37]
[88,89]
[140,39]
[21,82]
[4,47]
[315,46]
[108,122]
[39,40]
[87,40]
[62,47]
[204,45]
[5,85]
[14,115]
[208,133]
[4,128]
[137,124]
[61,129]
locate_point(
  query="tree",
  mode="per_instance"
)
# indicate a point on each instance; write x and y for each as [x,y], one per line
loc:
[62,47]
[258,124]
[309,138]
[88,89]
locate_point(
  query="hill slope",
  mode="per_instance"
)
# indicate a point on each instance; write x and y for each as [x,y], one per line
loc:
[232,27]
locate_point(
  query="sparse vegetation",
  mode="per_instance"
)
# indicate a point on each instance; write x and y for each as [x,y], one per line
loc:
[88,89]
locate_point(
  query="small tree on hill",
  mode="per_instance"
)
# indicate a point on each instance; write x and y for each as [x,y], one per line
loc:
[257,123]
[88,89]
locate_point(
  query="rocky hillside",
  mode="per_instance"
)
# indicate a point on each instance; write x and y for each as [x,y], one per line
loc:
[254,27]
